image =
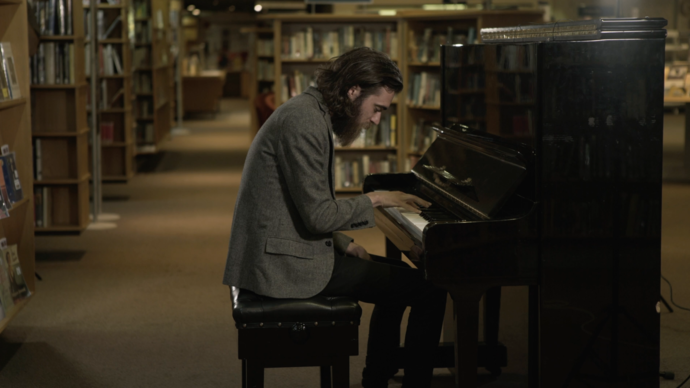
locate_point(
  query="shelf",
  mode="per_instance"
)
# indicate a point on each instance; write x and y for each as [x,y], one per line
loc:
[113,76]
[142,44]
[9,315]
[142,19]
[69,228]
[109,6]
[349,190]
[111,110]
[68,181]
[12,103]
[425,107]
[112,41]
[144,94]
[19,204]
[265,56]
[59,37]
[149,118]
[502,103]
[114,144]
[58,86]
[430,64]
[371,148]
[60,134]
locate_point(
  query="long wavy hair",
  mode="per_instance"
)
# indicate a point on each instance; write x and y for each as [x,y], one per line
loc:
[363,67]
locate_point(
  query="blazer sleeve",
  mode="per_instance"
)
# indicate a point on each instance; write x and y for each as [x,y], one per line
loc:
[303,153]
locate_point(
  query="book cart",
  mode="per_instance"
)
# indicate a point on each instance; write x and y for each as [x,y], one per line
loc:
[60,129]
[424,31]
[15,131]
[302,44]
[114,103]
[152,65]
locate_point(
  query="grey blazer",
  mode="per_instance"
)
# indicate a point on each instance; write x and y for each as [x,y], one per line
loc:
[282,241]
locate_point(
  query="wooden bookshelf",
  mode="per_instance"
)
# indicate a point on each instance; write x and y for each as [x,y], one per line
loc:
[115,107]
[59,123]
[384,33]
[261,59]
[15,131]
[420,112]
[153,77]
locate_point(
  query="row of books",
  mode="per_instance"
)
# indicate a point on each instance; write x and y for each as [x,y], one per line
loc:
[10,186]
[424,89]
[264,47]
[54,17]
[9,83]
[103,32]
[109,62]
[143,107]
[107,98]
[142,83]
[511,87]
[309,44]
[145,133]
[294,84]
[427,47]
[350,172]
[141,57]
[384,134]
[265,70]
[13,287]
[141,9]
[422,135]
[53,206]
[54,64]
[143,33]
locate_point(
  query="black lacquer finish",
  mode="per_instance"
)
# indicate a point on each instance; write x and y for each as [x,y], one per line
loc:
[582,224]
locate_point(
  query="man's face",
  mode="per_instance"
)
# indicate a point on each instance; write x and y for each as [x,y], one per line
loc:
[368,111]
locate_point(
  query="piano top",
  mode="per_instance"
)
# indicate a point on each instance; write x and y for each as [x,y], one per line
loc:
[475,170]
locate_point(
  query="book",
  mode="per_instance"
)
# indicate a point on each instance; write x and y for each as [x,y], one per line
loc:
[9,69]
[111,27]
[107,132]
[8,165]
[18,287]
[5,283]
[38,162]
[4,85]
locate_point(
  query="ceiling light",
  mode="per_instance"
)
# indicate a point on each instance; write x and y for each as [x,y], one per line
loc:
[190,7]
[196,12]
[258,8]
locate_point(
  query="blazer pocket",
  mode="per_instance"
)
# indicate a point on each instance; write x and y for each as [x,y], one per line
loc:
[289,247]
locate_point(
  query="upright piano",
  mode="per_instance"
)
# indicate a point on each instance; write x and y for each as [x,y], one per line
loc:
[546,172]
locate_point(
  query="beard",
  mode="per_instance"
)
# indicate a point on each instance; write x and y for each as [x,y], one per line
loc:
[348,128]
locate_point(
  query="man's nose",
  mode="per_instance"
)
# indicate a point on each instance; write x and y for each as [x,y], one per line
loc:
[377,118]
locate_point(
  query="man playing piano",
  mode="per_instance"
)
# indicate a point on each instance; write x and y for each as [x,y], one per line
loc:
[284,240]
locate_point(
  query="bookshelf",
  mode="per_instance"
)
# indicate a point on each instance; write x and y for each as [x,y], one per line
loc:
[424,32]
[152,72]
[15,131]
[304,42]
[114,105]
[262,61]
[59,97]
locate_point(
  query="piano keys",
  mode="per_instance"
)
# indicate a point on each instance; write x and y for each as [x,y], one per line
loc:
[556,187]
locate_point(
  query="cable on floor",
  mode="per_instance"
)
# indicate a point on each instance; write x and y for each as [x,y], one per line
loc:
[671,289]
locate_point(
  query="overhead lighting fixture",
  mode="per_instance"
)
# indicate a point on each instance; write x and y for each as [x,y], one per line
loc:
[196,12]
[190,7]
[258,8]
[387,12]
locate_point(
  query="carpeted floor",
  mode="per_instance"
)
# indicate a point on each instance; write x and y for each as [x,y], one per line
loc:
[142,305]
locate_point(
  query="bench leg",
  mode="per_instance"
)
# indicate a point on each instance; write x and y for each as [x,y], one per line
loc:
[341,372]
[325,376]
[254,374]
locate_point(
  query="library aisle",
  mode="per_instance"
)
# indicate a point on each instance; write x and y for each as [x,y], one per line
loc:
[143,305]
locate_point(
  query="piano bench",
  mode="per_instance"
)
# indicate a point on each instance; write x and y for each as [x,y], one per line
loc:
[281,333]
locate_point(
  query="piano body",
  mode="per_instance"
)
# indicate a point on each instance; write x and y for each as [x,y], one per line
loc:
[558,188]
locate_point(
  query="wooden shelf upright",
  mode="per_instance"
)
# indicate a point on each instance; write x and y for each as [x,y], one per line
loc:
[261,59]
[15,131]
[59,125]
[115,108]
[153,68]
[294,71]
[421,31]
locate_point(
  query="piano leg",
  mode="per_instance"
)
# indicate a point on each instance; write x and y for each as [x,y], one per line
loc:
[466,333]
[492,310]
[392,252]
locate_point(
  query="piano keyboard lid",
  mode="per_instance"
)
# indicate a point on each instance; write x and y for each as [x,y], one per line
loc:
[615,28]
[477,171]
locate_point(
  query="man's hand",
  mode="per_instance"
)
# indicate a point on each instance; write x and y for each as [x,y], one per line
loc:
[397,199]
[357,251]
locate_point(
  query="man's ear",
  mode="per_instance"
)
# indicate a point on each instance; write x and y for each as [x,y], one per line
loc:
[354,92]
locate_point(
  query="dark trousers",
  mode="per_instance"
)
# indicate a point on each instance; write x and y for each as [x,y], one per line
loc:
[392,285]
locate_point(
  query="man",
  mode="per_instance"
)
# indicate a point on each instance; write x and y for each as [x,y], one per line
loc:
[283,241]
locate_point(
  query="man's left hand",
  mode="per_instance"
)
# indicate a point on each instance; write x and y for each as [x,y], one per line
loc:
[357,251]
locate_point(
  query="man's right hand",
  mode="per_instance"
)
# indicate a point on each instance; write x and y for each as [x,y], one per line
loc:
[397,199]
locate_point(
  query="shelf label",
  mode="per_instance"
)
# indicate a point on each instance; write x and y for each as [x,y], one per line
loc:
[5,149]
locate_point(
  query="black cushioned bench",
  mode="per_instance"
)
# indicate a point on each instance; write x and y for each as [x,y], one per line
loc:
[278,333]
